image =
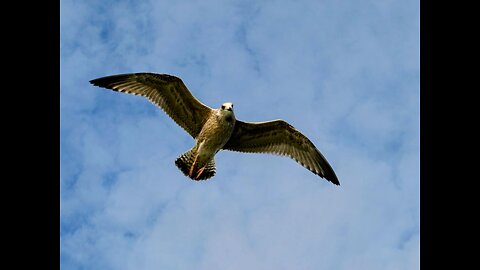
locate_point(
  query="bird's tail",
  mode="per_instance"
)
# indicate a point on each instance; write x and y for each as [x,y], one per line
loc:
[194,168]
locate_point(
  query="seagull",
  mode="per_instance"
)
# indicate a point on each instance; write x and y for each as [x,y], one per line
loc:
[217,129]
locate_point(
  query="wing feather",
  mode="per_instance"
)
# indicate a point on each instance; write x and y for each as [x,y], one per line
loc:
[166,91]
[279,137]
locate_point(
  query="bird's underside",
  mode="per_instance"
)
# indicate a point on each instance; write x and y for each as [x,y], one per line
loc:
[172,96]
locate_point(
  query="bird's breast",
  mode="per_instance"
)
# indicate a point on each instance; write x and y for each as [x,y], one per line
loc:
[215,133]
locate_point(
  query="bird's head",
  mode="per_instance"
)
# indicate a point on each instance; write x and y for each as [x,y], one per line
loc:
[227,106]
[226,111]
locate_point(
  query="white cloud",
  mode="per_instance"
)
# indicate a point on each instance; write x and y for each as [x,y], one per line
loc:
[345,74]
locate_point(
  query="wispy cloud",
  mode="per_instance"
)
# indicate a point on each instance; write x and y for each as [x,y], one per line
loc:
[344,73]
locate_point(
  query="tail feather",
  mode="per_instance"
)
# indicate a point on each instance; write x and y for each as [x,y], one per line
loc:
[186,161]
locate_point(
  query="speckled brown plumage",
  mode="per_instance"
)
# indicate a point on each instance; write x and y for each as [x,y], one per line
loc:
[217,129]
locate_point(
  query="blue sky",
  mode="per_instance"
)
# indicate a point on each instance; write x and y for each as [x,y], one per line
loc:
[345,73]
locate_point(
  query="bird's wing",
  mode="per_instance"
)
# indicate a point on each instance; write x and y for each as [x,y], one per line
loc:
[166,91]
[279,137]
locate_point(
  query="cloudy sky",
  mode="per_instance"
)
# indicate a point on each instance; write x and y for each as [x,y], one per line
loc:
[343,72]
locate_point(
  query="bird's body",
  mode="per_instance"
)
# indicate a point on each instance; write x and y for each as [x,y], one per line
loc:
[217,129]
[214,135]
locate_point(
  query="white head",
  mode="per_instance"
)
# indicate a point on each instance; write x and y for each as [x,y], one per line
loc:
[226,111]
[227,106]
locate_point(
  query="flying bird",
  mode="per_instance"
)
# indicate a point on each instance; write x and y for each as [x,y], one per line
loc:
[217,129]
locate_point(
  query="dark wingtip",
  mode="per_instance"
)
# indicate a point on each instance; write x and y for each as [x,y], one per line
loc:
[100,82]
[93,81]
[335,181]
[331,177]
[106,81]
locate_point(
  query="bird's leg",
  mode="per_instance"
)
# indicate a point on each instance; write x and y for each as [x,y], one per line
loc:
[193,165]
[200,171]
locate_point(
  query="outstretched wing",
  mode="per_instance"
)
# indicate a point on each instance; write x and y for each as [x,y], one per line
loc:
[279,137]
[166,91]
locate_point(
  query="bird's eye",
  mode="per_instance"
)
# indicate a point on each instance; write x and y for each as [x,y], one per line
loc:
[223,107]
